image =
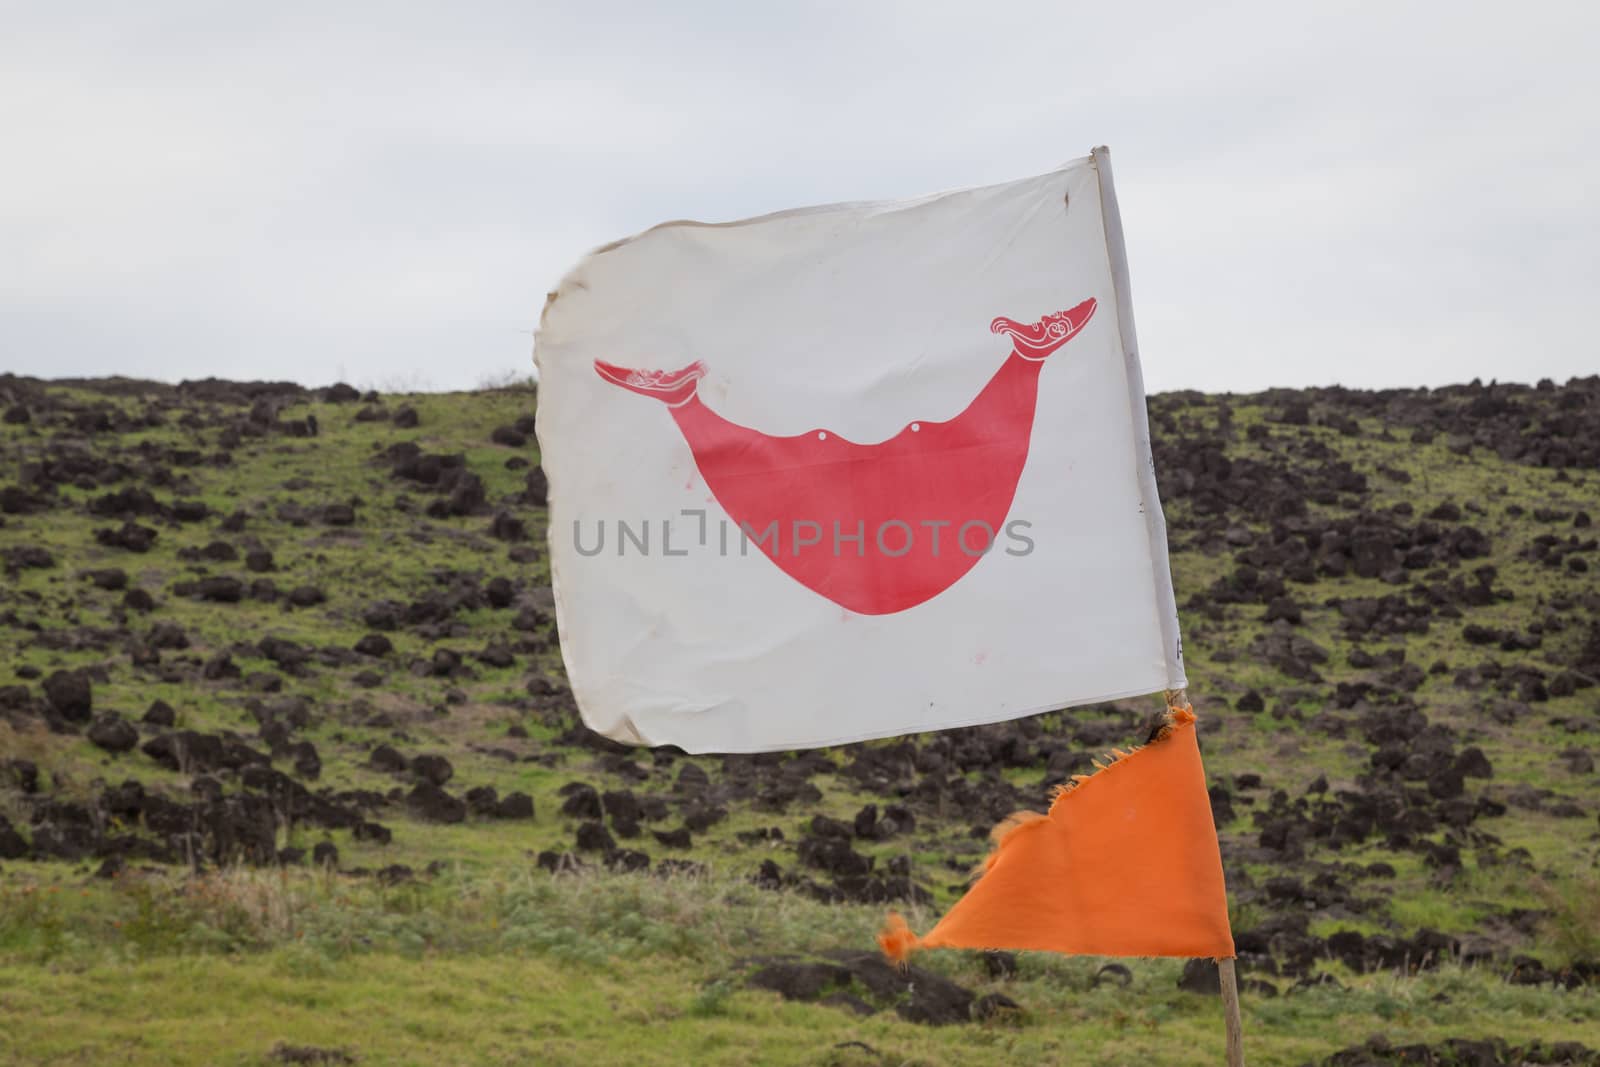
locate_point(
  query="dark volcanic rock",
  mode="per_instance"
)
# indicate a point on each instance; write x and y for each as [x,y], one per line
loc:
[112,732]
[1116,974]
[700,817]
[130,536]
[446,662]
[159,713]
[625,859]
[220,666]
[306,760]
[536,489]
[220,589]
[593,837]
[582,801]
[933,999]
[430,803]
[28,557]
[497,656]
[286,654]
[1201,976]
[307,596]
[515,806]
[70,695]
[112,579]
[12,845]
[507,527]
[20,774]
[190,752]
[375,645]
[917,995]
[190,511]
[386,758]
[557,862]
[800,980]
[384,615]
[432,768]
[499,592]
[692,779]
[484,800]
[509,436]
[1377,1051]
[338,515]
[622,804]
[679,838]
[834,855]
[167,636]
[994,1006]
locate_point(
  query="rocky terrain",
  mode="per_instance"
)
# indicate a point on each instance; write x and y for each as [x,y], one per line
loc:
[255,624]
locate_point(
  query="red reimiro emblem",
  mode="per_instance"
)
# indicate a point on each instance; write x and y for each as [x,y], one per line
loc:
[874,528]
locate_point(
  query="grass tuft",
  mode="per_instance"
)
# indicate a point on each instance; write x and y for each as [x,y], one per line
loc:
[1572,927]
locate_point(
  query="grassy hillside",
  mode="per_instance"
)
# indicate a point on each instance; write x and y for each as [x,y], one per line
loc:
[289,771]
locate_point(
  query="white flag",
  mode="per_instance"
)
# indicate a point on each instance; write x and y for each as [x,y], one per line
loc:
[854,471]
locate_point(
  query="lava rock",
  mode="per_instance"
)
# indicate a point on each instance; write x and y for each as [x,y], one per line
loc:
[70,695]
[679,838]
[375,645]
[431,804]
[582,801]
[12,844]
[385,758]
[160,714]
[515,806]
[220,590]
[593,837]
[833,855]
[1201,976]
[432,768]
[113,733]
[800,981]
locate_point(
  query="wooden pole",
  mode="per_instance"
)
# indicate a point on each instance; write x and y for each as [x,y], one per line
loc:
[1227,974]
[1230,1012]
[1111,218]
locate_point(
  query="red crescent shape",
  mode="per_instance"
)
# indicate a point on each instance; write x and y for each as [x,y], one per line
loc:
[877,528]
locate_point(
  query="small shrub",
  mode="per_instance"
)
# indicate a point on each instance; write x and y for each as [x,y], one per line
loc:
[712,1000]
[1573,926]
[508,381]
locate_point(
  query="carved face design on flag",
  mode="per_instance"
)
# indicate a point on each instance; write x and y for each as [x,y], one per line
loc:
[955,479]
[852,471]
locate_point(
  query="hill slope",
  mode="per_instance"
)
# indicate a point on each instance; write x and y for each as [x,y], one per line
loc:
[250,624]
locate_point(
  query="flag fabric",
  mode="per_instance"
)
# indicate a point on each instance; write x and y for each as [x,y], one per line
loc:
[871,469]
[855,471]
[1125,864]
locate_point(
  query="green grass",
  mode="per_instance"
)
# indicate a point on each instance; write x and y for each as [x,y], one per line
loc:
[602,969]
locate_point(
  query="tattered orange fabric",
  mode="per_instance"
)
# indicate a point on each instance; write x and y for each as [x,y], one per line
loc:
[1125,864]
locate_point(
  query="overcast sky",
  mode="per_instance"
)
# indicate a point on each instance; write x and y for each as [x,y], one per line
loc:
[1376,194]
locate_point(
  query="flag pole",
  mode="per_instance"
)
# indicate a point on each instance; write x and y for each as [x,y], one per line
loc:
[1177,697]
[1227,974]
[1230,1012]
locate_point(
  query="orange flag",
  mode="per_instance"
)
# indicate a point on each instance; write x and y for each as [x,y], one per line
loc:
[1125,864]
